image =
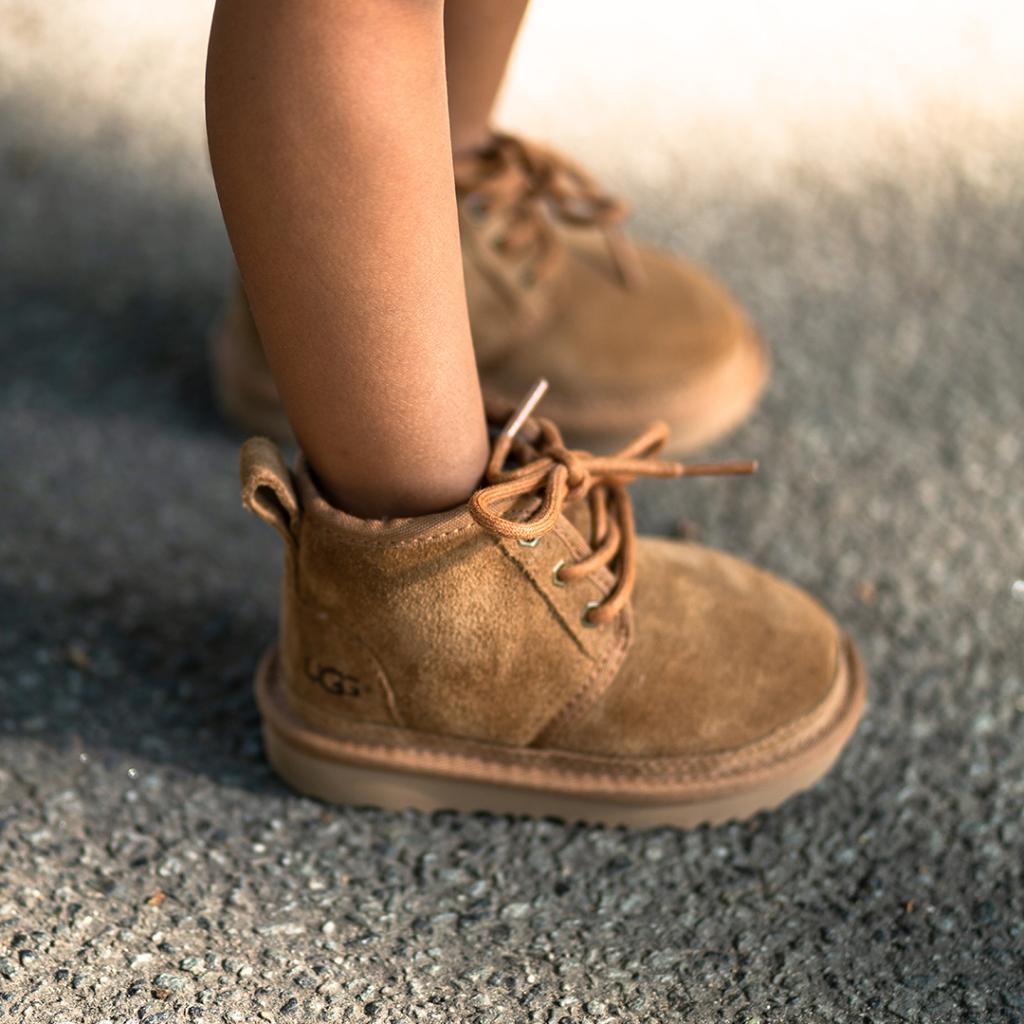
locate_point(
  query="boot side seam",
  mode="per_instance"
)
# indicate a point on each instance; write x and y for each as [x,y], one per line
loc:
[548,603]
[594,687]
[606,663]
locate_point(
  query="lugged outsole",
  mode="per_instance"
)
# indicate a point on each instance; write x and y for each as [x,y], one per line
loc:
[329,770]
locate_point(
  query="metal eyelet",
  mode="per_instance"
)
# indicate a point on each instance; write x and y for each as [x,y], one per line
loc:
[585,616]
[555,577]
[529,543]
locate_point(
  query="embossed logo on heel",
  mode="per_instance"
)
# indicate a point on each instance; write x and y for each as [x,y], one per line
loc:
[333,680]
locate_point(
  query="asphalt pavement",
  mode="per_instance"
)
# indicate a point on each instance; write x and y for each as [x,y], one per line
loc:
[153,869]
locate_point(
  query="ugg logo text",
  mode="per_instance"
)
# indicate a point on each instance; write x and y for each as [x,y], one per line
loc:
[333,680]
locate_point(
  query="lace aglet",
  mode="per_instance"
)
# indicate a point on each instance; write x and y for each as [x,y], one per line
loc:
[525,409]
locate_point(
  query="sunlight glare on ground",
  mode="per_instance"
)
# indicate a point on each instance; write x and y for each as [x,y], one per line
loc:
[732,84]
[754,84]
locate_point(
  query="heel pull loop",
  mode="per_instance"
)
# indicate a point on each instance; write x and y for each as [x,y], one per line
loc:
[268,489]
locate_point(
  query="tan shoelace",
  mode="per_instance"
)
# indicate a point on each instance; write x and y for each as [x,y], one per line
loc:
[532,188]
[562,476]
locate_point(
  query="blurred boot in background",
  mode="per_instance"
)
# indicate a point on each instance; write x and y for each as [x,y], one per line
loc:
[555,287]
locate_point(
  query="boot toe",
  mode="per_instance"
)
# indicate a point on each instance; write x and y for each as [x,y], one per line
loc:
[676,347]
[725,657]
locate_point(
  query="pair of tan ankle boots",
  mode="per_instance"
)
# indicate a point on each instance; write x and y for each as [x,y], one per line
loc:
[527,652]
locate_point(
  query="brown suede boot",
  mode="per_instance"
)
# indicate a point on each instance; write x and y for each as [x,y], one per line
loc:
[556,290]
[526,653]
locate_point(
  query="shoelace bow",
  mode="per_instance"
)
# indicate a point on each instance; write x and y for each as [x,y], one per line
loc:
[533,187]
[561,476]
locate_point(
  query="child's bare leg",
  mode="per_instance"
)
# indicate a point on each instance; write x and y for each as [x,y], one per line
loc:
[330,147]
[478,39]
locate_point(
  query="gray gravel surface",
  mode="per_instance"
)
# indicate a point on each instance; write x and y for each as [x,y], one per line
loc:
[152,868]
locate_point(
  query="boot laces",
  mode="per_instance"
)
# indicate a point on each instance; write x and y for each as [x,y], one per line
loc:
[532,188]
[559,476]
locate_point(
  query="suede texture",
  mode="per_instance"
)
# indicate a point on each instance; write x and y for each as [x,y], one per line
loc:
[614,355]
[432,623]
[435,626]
[725,654]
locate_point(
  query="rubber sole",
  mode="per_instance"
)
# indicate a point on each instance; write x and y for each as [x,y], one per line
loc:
[469,777]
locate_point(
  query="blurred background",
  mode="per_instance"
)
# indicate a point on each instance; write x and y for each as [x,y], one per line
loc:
[855,173]
[103,120]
